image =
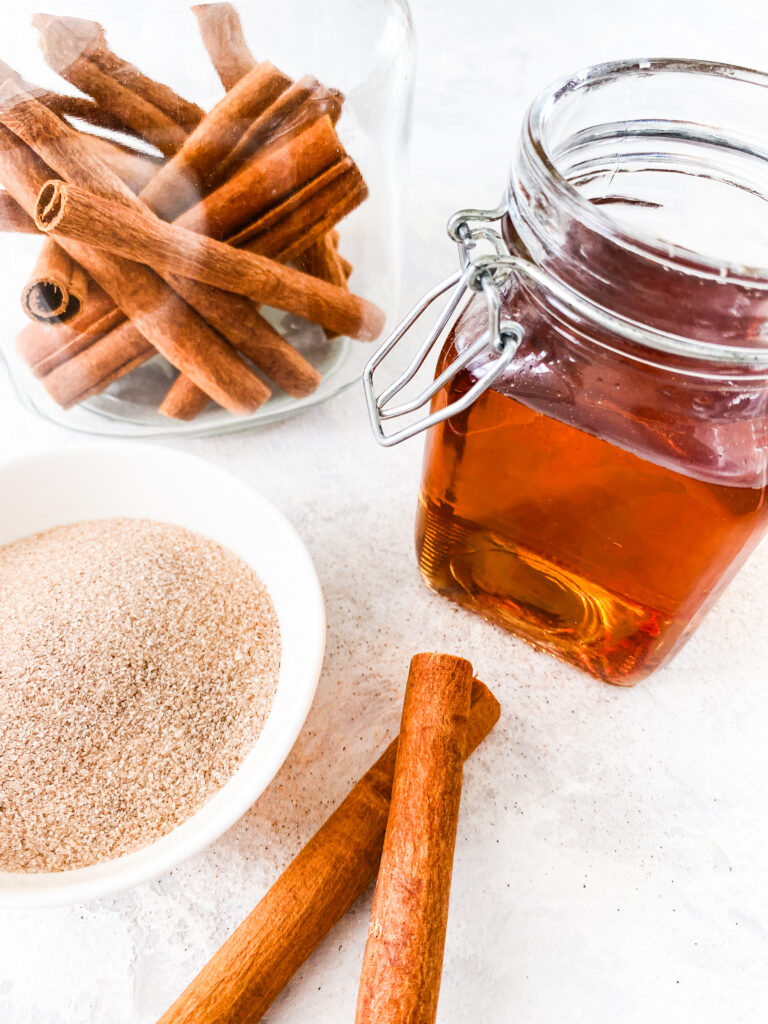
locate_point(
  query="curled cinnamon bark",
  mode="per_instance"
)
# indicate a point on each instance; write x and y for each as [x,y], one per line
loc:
[241,981]
[57,287]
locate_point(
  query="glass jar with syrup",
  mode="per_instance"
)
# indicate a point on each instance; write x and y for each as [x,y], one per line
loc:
[595,467]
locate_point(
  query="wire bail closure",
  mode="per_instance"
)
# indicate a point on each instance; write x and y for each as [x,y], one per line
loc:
[478,273]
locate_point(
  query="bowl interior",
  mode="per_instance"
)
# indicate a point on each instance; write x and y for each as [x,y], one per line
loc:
[144,481]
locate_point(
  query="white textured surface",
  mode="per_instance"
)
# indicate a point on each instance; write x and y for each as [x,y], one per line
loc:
[612,848]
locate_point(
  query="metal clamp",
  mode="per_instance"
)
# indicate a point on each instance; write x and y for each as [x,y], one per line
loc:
[477,273]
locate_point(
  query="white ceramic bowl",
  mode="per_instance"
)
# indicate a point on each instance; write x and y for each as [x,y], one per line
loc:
[121,479]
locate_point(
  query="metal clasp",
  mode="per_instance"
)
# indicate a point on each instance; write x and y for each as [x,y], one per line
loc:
[477,273]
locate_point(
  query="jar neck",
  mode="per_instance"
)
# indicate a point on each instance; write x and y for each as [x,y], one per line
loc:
[561,214]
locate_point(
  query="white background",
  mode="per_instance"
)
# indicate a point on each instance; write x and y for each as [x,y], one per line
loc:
[611,861]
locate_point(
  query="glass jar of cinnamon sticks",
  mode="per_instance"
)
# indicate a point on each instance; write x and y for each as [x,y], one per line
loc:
[199,207]
[596,465]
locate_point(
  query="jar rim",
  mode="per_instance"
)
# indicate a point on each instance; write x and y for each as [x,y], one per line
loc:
[595,216]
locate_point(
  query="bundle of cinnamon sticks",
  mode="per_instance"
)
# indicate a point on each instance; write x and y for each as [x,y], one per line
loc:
[398,823]
[174,239]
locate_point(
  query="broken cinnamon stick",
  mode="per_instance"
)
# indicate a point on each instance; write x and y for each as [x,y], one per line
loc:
[57,287]
[223,38]
[241,981]
[403,960]
[180,182]
[74,214]
[13,218]
[168,323]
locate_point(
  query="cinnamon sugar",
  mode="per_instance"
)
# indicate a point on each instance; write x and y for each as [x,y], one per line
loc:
[138,663]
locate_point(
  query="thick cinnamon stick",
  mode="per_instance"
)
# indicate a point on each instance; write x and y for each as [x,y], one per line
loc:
[160,315]
[179,184]
[80,107]
[64,56]
[403,960]
[13,218]
[72,213]
[240,982]
[223,38]
[57,287]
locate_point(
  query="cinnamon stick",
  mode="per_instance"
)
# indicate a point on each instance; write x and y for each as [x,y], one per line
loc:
[43,347]
[403,960]
[13,218]
[160,315]
[57,287]
[184,400]
[63,54]
[232,316]
[305,102]
[302,104]
[73,214]
[98,365]
[240,982]
[267,179]
[322,260]
[223,38]
[80,107]
[67,35]
[180,182]
[287,237]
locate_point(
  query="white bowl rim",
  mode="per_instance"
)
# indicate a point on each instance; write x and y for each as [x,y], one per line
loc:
[222,811]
